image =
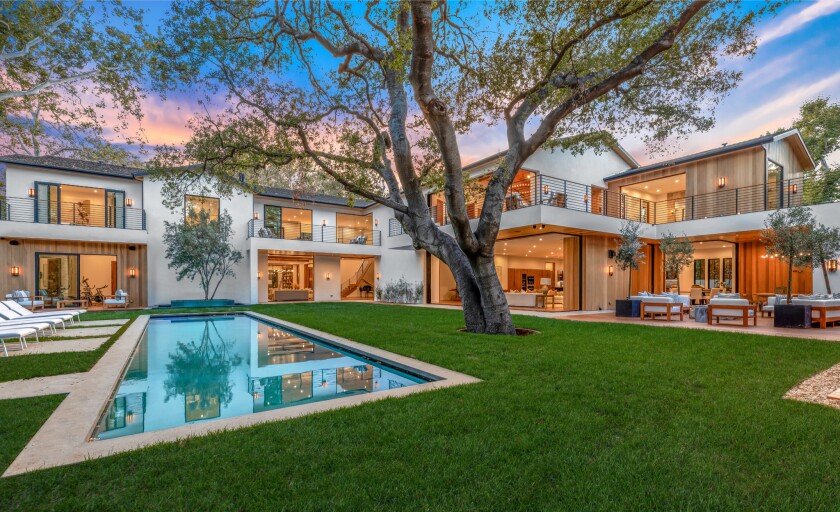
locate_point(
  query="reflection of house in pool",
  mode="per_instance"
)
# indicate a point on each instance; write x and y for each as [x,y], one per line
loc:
[315,385]
[125,415]
[280,347]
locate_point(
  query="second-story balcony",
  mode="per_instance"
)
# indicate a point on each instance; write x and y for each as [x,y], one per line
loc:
[559,193]
[309,233]
[22,209]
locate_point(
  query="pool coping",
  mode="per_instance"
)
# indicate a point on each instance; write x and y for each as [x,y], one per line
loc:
[65,437]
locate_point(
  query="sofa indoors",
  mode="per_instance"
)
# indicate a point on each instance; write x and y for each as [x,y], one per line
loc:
[731,306]
[523,300]
[290,295]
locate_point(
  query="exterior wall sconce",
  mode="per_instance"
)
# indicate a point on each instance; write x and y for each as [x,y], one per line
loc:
[376,222]
[129,202]
[832,265]
[14,270]
[132,272]
[256,215]
[327,276]
[545,189]
[31,192]
[794,188]
[722,182]
[259,275]
[610,270]
[378,276]
[324,222]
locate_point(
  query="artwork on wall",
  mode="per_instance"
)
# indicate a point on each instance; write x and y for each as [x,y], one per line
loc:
[714,272]
[700,272]
[727,273]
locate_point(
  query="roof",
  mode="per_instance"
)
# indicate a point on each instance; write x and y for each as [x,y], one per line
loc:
[727,148]
[284,193]
[61,163]
[620,151]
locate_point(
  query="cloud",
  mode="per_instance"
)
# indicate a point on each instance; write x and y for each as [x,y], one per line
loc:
[795,22]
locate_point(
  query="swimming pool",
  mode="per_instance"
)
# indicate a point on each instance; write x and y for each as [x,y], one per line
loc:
[189,369]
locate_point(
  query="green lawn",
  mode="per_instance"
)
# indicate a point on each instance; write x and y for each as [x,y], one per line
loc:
[583,416]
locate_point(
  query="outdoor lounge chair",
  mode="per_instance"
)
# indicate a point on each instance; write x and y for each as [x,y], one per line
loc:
[117,300]
[26,300]
[731,308]
[654,306]
[8,318]
[65,314]
[16,333]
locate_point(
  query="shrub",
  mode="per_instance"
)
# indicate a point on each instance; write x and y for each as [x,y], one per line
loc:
[400,292]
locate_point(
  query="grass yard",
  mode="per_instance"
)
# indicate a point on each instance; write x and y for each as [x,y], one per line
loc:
[583,416]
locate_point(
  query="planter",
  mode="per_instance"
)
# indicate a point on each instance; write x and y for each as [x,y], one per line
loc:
[197,303]
[628,308]
[792,316]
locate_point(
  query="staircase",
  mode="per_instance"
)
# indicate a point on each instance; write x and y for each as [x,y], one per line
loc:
[358,279]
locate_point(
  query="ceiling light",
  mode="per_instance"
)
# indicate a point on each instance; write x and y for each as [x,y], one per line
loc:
[657,190]
[646,187]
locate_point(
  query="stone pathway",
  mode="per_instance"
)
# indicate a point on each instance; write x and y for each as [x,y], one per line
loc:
[58,346]
[40,386]
[95,323]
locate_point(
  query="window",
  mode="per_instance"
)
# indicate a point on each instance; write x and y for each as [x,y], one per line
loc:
[700,272]
[354,229]
[714,273]
[200,203]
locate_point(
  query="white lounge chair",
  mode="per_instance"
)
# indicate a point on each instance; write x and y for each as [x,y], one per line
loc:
[654,306]
[7,317]
[40,325]
[824,310]
[67,314]
[20,333]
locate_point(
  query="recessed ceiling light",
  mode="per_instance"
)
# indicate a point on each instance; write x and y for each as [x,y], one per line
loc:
[677,180]
[646,187]
[657,190]
[540,239]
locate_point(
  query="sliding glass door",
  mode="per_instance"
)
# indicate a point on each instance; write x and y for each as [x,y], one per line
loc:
[115,209]
[58,276]
[47,203]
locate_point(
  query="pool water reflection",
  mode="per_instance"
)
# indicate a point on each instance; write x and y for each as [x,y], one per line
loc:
[199,368]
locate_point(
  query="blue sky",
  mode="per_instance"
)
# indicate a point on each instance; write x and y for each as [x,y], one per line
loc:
[798,59]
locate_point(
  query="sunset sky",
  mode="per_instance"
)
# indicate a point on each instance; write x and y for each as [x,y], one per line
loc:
[797,60]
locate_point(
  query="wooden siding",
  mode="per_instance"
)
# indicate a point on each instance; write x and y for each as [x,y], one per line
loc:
[763,275]
[23,255]
[785,154]
[571,273]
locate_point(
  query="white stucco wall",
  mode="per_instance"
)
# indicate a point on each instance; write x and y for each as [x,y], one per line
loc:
[163,285]
[327,289]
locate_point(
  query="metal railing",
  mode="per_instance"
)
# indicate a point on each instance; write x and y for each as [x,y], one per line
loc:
[39,211]
[327,234]
[560,193]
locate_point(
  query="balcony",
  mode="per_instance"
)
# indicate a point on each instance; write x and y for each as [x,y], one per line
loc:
[559,193]
[20,209]
[309,233]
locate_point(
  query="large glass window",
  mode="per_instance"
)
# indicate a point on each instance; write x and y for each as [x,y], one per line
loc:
[354,229]
[700,272]
[296,224]
[201,203]
[46,203]
[274,219]
[714,273]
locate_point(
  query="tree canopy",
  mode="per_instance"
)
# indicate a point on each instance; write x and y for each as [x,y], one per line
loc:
[65,66]
[375,95]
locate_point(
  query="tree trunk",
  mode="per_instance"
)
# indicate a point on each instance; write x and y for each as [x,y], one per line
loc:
[629,282]
[497,319]
[790,279]
[825,276]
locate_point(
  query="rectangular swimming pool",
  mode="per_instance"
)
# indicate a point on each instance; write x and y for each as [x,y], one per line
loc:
[189,369]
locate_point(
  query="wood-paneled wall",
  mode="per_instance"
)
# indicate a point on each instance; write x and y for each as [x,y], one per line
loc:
[763,275]
[571,273]
[23,255]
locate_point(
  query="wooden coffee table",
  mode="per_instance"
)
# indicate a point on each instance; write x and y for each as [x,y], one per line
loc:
[65,303]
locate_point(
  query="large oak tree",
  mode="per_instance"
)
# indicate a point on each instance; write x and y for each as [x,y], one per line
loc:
[375,95]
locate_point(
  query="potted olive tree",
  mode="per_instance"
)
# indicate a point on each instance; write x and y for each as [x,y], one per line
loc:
[677,254]
[787,235]
[628,257]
